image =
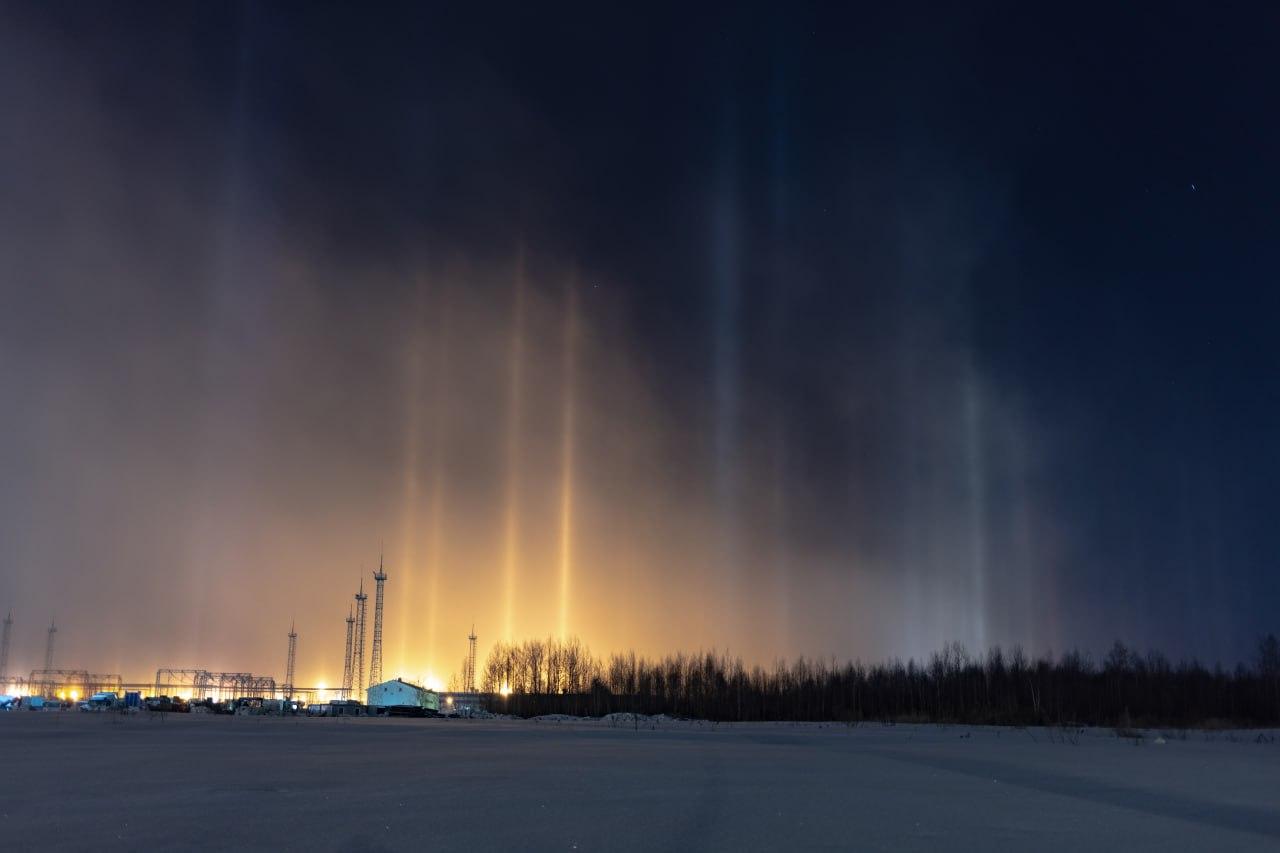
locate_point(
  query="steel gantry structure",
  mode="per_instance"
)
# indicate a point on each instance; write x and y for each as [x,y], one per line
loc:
[61,683]
[288,668]
[375,661]
[4,645]
[48,646]
[362,608]
[201,683]
[469,670]
[347,672]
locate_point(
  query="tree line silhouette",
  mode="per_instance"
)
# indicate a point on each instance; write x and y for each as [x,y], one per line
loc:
[951,686]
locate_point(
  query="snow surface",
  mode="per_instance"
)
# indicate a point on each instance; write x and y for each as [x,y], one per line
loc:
[75,781]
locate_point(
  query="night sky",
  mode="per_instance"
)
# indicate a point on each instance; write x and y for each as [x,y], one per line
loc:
[788,330]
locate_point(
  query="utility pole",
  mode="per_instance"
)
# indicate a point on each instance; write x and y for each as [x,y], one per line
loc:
[375,662]
[288,667]
[346,660]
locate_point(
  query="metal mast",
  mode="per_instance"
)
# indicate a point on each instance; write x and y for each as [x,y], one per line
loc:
[375,661]
[469,675]
[362,602]
[4,643]
[346,660]
[48,649]
[288,667]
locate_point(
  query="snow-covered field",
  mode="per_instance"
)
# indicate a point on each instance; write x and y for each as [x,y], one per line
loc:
[80,781]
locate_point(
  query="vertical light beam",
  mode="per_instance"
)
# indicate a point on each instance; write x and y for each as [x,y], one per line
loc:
[435,506]
[780,503]
[515,402]
[567,413]
[726,310]
[410,485]
[976,486]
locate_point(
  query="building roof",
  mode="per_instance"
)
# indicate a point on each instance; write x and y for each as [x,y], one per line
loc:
[400,681]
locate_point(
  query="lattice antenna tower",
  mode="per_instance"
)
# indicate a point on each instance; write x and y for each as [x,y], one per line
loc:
[469,674]
[4,643]
[288,667]
[48,647]
[346,659]
[362,607]
[375,662]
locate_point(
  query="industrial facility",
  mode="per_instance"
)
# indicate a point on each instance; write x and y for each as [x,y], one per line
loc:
[363,690]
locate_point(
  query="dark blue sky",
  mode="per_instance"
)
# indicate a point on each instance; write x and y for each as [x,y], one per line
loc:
[974,304]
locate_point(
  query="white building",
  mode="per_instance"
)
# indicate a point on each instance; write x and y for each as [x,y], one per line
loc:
[400,693]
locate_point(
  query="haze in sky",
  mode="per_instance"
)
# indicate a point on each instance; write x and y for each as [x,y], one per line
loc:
[780,329]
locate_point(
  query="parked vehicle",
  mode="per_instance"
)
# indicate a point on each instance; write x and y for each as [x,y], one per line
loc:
[167,704]
[101,701]
[251,705]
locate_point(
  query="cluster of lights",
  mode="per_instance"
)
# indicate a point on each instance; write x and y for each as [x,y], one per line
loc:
[431,682]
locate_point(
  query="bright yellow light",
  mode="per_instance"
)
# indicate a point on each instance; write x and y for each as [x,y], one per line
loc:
[75,694]
[432,683]
[449,700]
[505,690]
[62,694]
